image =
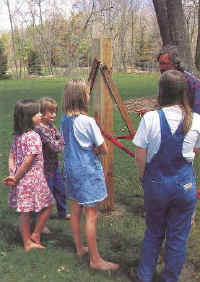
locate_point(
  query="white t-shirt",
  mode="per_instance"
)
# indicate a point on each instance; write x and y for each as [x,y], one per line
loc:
[148,134]
[87,132]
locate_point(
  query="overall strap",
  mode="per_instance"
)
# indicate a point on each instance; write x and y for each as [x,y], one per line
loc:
[168,160]
[164,126]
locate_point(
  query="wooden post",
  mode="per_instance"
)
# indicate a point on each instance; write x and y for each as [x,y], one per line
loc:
[103,108]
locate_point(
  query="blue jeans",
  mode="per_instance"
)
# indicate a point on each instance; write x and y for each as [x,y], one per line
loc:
[57,187]
[169,211]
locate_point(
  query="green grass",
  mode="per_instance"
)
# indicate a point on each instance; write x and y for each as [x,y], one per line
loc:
[120,234]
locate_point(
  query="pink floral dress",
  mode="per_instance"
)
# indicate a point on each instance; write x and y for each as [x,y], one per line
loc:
[31,192]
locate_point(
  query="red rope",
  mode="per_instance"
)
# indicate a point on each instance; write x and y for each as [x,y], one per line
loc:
[128,137]
[118,144]
[198,193]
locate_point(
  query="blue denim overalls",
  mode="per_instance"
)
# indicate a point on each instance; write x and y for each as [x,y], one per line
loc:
[83,171]
[169,201]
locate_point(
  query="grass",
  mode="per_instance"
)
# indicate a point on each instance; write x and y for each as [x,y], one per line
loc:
[120,234]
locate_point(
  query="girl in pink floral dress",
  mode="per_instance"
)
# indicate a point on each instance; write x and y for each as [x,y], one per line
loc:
[29,191]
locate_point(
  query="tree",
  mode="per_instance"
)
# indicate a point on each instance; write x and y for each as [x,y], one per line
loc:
[3,61]
[171,21]
[34,66]
[197,56]
[7,2]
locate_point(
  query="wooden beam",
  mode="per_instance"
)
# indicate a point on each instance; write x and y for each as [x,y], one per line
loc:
[103,109]
[93,73]
[117,98]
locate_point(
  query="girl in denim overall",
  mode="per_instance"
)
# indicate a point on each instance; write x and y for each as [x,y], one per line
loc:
[82,168]
[165,143]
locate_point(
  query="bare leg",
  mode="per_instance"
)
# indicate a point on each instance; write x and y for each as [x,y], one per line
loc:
[75,224]
[96,261]
[24,222]
[41,221]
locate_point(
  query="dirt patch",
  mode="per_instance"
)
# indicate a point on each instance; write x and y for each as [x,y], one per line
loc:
[141,105]
[119,210]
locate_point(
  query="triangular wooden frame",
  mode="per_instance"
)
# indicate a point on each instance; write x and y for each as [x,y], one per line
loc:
[96,66]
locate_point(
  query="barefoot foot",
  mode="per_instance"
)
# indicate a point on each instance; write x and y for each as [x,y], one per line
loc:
[81,254]
[82,251]
[31,245]
[35,237]
[104,265]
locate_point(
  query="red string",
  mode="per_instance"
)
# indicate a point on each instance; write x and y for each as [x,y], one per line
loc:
[118,144]
[128,137]
[198,194]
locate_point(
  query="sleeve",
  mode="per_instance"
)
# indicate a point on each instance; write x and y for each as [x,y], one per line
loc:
[141,137]
[87,132]
[196,106]
[55,143]
[197,144]
[34,144]
[95,133]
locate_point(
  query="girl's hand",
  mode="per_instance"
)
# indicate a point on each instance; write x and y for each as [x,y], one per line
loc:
[10,181]
[96,150]
[196,151]
[12,172]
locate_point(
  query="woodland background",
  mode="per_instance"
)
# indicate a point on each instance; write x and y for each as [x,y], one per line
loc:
[55,37]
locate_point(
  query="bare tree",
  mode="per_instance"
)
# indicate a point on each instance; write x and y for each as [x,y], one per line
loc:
[13,37]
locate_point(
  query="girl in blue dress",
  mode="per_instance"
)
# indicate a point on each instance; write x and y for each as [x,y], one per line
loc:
[82,168]
[166,142]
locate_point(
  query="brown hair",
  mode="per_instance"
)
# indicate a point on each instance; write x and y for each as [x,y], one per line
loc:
[173,90]
[23,113]
[75,98]
[47,104]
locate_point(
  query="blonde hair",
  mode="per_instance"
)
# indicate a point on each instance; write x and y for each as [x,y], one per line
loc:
[46,104]
[75,98]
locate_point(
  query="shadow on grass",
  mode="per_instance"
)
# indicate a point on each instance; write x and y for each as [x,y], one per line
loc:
[59,240]
[133,203]
[9,236]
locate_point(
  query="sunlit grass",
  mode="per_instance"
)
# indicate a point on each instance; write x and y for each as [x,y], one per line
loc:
[120,234]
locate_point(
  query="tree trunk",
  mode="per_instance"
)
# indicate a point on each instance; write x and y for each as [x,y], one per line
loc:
[171,21]
[162,18]
[178,32]
[13,38]
[197,56]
